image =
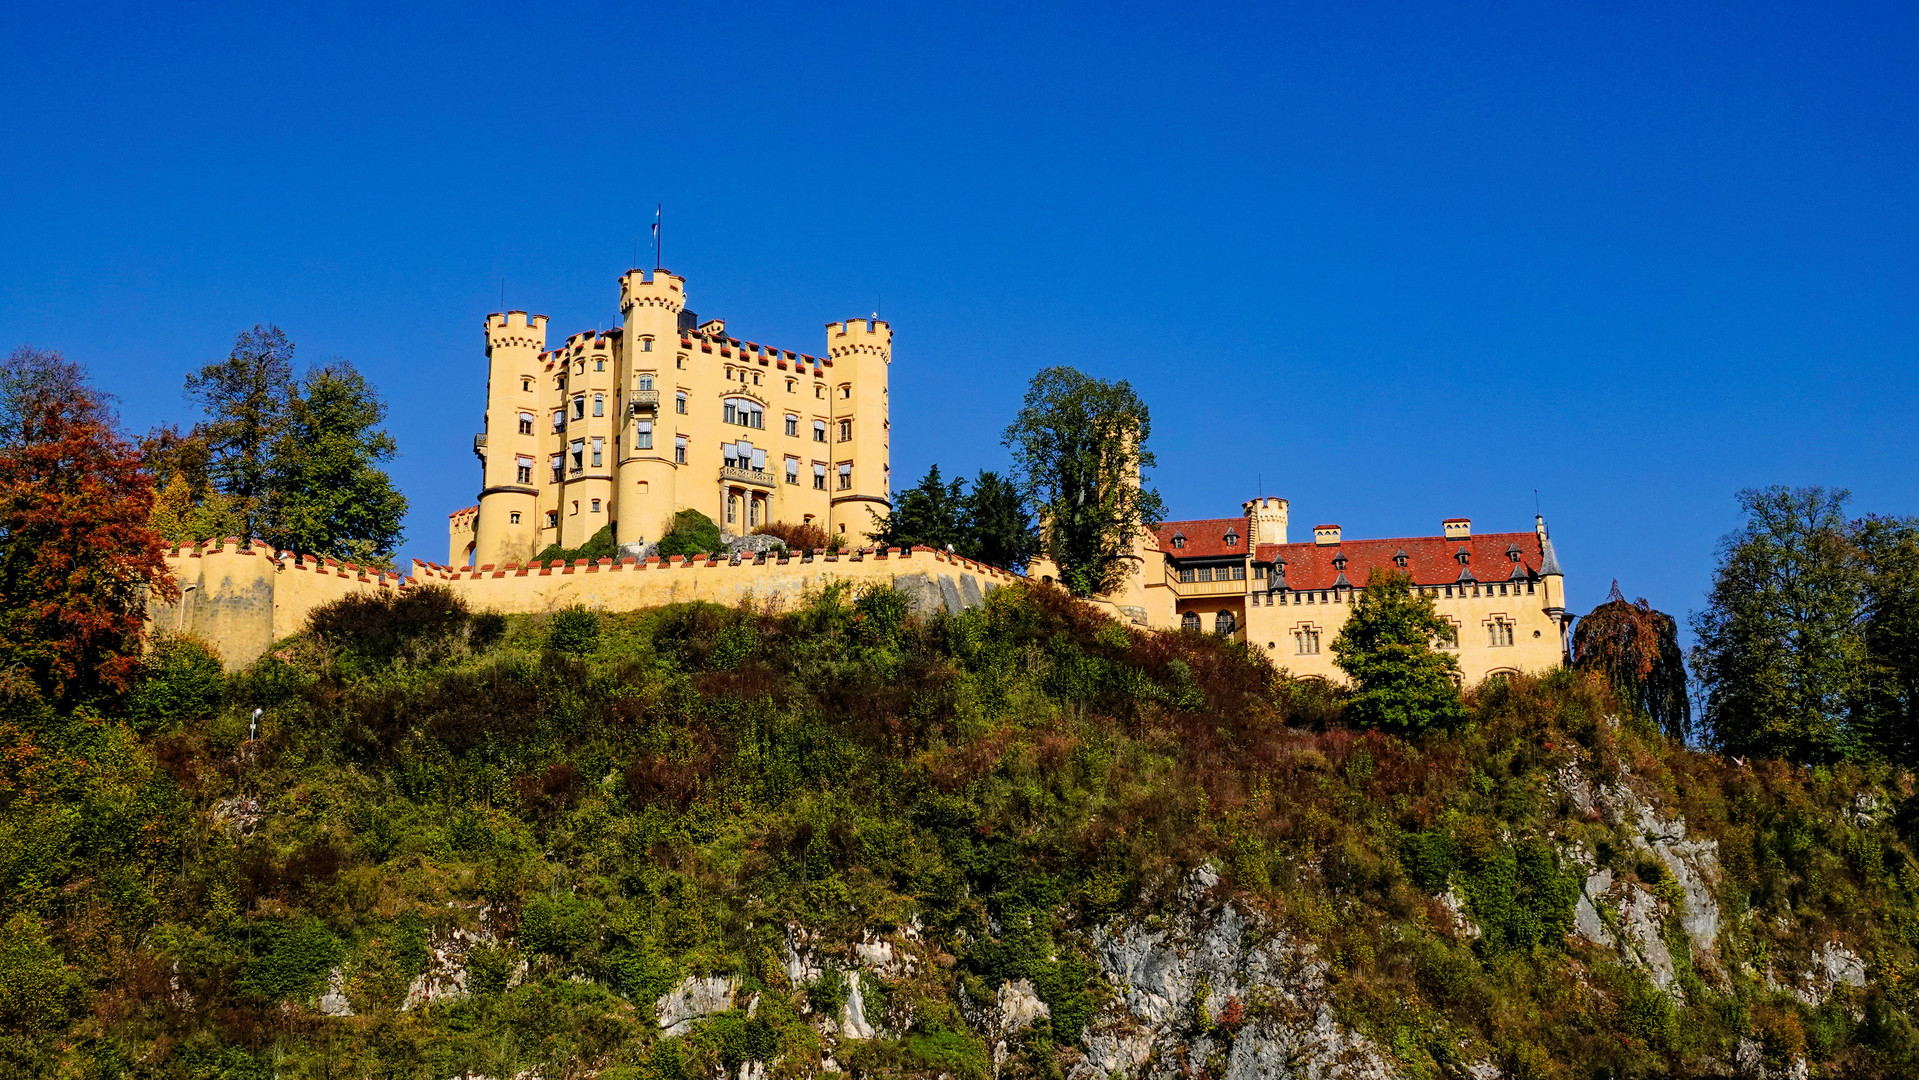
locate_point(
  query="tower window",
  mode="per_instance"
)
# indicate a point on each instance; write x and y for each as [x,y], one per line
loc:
[599,365]
[646,344]
[579,407]
[846,431]
[792,424]
[679,402]
[599,404]
[646,382]
[552,519]
[680,362]
[513,517]
[819,392]
[526,386]
[643,435]
[526,423]
[596,506]
[598,446]
[576,507]
[578,450]
[791,384]
[523,470]
[846,390]
[819,431]
[559,467]
[793,470]
[819,476]
[559,419]
[846,475]
[679,449]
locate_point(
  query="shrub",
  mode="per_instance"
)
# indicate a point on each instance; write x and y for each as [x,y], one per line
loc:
[290,958]
[803,537]
[691,533]
[421,624]
[879,612]
[573,629]
[828,993]
[601,545]
[181,680]
[487,629]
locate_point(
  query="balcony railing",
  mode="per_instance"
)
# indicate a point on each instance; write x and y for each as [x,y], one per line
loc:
[1204,588]
[747,476]
[645,399]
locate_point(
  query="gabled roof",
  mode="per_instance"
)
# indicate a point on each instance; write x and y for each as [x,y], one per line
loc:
[1431,560]
[1204,538]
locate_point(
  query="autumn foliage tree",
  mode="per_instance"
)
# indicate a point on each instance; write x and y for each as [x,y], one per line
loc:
[1637,649]
[78,557]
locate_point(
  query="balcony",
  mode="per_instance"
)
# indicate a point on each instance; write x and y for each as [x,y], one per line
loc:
[758,477]
[1204,588]
[648,400]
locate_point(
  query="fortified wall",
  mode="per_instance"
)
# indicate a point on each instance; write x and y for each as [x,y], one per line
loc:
[241,598]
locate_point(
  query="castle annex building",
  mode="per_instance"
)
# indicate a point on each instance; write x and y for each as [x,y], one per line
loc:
[665,413]
[1504,593]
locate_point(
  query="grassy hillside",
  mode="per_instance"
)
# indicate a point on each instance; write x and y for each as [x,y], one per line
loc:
[504,845]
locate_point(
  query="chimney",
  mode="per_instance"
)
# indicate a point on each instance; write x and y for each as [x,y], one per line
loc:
[1326,535]
[1458,528]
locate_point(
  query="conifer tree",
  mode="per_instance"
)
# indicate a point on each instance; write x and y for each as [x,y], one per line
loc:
[997,529]
[929,514]
[1400,682]
[246,399]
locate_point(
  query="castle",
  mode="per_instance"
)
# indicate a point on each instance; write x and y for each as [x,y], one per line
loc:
[665,413]
[626,427]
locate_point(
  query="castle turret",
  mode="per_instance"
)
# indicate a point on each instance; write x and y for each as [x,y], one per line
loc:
[645,495]
[509,446]
[1266,518]
[860,480]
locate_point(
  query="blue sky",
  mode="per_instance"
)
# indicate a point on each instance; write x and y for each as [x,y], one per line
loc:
[1394,262]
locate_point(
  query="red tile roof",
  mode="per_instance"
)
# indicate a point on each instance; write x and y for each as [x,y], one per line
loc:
[1204,538]
[1431,560]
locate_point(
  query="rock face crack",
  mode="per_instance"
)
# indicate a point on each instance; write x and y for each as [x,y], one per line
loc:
[1173,982]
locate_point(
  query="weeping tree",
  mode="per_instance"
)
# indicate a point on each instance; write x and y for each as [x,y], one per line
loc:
[1637,649]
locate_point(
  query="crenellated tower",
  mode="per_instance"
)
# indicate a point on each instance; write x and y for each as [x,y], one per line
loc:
[1266,518]
[862,354]
[646,491]
[507,529]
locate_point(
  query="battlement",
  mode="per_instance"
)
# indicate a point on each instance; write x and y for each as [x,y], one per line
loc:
[661,288]
[515,329]
[859,336]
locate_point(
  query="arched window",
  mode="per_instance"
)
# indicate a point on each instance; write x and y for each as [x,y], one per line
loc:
[1189,621]
[1224,623]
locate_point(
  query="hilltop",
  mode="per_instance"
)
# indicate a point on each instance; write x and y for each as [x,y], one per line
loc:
[1022,840]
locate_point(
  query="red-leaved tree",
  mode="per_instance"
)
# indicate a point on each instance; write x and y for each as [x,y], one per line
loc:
[1637,648]
[78,558]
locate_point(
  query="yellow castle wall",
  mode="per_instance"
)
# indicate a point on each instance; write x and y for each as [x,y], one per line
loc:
[243,599]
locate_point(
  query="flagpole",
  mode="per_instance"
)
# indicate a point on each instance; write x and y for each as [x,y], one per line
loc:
[656,235]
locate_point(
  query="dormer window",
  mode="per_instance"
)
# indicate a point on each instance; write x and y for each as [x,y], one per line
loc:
[1399,558]
[1512,552]
[1339,563]
[1231,537]
[1462,556]
[1179,540]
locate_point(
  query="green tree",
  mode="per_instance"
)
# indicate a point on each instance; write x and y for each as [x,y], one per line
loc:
[1400,682]
[188,508]
[325,494]
[1781,651]
[1888,702]
[1637,649]
[1079,449]
[998,530]
[931,514]
[246,400]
